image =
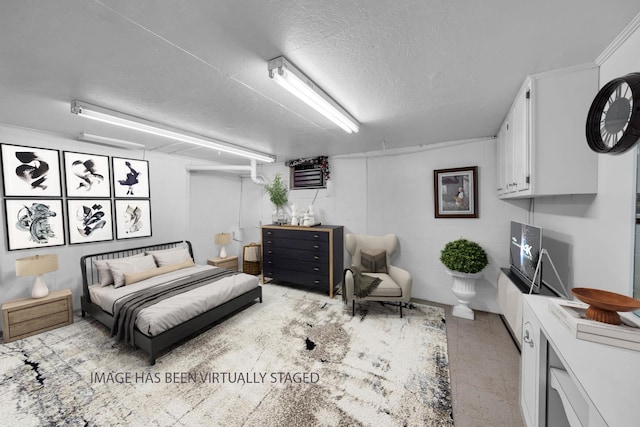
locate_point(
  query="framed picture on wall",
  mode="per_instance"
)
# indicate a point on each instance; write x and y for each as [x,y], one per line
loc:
[89,220]
[456,192]
[30,171]
[34,223]
[86,175]
[133,218]
[130,178]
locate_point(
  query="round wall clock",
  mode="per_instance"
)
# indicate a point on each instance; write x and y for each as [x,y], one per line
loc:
[613,122]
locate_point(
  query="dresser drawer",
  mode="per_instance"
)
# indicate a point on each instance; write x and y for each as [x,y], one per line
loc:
[295,265]
[296,254]
[319,236]
[307,245]
[39,323]
[316,280]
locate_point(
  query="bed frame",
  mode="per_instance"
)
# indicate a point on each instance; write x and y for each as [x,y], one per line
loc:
[155,344]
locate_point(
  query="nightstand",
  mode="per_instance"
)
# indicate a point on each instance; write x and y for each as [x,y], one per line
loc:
[230,262]
[29,316]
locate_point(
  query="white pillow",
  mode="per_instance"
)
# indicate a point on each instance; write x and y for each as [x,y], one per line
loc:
[169,257]
[105,278]
[132,265]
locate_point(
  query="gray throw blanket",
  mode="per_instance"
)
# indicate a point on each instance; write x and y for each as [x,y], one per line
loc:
[363,285]
[126,309]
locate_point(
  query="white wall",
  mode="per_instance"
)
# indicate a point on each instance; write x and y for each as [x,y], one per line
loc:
[392,192]
[169,207]
[600,229]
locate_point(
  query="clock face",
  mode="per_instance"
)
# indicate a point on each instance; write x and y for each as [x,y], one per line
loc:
[616,114]
[612,124]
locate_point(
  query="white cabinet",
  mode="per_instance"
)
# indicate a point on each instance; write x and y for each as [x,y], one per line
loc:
[542,149]
[566,381]
[532,381]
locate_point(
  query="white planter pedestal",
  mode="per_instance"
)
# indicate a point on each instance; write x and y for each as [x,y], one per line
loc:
[464,288]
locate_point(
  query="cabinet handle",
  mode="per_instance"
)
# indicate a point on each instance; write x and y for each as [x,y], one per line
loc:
[526,338]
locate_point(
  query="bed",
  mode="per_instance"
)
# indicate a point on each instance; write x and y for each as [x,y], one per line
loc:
[167,303]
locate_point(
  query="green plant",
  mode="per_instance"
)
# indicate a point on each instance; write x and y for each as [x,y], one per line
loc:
[277,191]
[464,256]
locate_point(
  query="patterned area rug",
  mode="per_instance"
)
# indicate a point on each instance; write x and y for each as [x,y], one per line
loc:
[298,358]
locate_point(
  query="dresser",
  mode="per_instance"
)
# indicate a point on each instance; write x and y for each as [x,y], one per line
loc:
[310,256]
[28,316]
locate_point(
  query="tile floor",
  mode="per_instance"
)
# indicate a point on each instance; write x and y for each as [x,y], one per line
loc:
[485,372]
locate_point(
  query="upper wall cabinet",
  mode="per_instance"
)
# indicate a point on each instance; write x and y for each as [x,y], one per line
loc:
[542,150]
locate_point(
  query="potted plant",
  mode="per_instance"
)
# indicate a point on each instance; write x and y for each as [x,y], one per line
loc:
[278,196]
[464,261]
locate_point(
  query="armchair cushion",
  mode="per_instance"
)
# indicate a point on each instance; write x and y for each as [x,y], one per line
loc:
[387,288]
[373,261]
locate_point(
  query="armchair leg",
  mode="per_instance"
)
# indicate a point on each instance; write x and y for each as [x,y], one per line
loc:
[401,310]
[353,308]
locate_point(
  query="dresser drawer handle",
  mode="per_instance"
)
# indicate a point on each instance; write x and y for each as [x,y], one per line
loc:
[270,262]
[269,252]
[316,281]
[316,247]
[269,241]
[316,269]
[316,257]
[269,233]
[315,236]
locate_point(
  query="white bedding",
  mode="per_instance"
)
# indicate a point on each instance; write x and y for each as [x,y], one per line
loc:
[175,310]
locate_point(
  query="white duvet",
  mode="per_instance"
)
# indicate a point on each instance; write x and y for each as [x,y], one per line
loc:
[168,313]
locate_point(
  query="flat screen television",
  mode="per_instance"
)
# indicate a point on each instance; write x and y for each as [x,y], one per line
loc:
[524,250]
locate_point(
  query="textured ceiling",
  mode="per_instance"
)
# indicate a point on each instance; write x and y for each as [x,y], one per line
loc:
[411,72]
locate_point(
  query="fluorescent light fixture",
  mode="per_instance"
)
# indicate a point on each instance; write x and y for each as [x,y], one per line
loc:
[116,118]
[289,77]
[112,142]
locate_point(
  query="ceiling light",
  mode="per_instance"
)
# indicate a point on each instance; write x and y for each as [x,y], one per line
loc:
[130,122]
[293,80]
[113,142]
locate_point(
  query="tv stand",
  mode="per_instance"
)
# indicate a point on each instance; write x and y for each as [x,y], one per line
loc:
[511,288]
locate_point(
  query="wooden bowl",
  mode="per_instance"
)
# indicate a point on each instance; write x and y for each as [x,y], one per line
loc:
[604,305]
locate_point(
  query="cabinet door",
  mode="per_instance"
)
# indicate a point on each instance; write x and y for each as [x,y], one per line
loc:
[533,370]
[521,141]
[501,166]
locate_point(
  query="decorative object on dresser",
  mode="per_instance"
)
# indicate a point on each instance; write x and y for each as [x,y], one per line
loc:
[604,305]
[222,240]
[230,262]
[371,256]
[311,256]
[25,317]
[455,192]
[37,266]
[464,261]
[251,258]
[278,196]
[613,122]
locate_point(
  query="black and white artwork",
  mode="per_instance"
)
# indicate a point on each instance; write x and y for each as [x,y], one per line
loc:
[89,220]
[30,172]
[34,223]
[133,218]
[86,175]
[130,178]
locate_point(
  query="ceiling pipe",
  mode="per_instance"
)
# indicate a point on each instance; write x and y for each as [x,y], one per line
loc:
[260,180]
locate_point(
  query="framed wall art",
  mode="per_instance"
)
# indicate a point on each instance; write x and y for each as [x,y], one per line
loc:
[456,192]
[86,175]
[33,223]
[89,220]
[133,218]
[30,171]
[130,178]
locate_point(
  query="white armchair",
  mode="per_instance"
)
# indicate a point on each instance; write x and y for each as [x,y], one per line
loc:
[396,282]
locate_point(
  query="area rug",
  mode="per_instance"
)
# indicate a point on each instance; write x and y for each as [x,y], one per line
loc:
[297,359]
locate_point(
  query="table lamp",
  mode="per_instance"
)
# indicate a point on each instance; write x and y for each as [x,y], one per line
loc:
[222,239]
[37,266]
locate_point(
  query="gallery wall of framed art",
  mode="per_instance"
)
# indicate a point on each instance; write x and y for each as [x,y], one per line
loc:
[104,197]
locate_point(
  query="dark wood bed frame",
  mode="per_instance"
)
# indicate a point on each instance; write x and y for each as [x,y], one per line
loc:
[155,344]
